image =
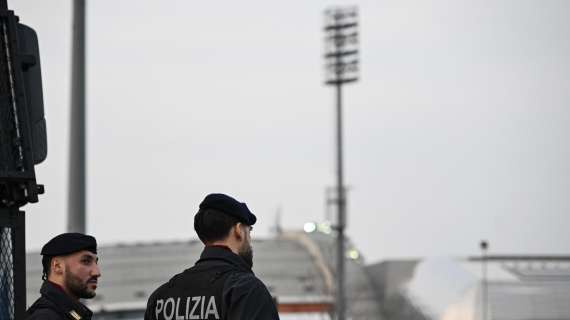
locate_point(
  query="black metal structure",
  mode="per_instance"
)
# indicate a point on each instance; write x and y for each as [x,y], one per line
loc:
[12,264]
[22,145]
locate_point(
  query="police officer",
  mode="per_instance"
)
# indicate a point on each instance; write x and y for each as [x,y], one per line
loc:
[221,285]
[70,273]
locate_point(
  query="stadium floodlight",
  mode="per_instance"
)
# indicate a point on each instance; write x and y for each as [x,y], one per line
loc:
[324,227]
[341,45]
[342,66]
[310,227]
[353,254]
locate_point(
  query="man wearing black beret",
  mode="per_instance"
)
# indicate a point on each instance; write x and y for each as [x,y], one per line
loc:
[221,285]
[70,273]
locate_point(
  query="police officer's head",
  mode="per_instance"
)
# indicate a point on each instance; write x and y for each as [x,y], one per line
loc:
[70,261]
[222,220]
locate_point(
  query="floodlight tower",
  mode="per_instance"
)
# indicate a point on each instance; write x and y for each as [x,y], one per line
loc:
[341,56]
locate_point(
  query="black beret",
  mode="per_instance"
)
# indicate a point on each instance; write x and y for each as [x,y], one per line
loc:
[67,243]
[229,206]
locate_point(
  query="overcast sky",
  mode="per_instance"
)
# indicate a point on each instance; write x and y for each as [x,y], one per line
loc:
[457,130]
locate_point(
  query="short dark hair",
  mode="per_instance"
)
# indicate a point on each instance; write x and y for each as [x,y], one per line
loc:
[46,264]
[213,225]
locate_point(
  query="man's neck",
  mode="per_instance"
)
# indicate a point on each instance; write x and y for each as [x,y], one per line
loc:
[223,244]
[60,286]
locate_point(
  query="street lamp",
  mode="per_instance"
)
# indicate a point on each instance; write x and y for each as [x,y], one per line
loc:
[484,245]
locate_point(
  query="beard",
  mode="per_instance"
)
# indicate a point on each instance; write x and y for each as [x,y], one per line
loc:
[78,287]
[246,253]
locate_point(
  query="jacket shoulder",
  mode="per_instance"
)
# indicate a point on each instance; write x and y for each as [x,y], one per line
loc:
[246,297]
[43,312]
[241,284]
[244,280]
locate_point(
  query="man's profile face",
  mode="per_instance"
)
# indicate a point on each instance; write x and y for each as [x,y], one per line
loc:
[246,249]
[81,274]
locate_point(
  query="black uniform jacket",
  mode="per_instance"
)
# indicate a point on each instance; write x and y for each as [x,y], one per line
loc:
[219,286]
[55,304]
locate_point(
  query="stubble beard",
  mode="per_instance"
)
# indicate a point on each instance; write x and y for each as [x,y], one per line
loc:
[246,253]
[77,287]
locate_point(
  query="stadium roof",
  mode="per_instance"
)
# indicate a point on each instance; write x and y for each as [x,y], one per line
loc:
[297,267]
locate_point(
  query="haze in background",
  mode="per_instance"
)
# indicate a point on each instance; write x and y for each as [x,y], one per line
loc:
[457,131]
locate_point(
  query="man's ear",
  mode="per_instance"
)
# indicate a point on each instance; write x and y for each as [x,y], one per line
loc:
[57,265]
[238,231]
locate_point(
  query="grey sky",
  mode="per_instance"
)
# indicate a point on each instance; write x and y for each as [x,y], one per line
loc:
[457,130]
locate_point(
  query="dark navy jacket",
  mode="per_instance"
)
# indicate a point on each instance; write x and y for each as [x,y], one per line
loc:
[55,304]
[219,286]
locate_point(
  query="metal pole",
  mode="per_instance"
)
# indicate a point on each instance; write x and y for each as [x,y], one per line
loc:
[19,236]
[484,293]
[341,312]
[341,54]
[76,210]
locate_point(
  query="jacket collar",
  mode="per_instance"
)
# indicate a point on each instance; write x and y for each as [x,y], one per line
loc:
[212,253]
[73,309]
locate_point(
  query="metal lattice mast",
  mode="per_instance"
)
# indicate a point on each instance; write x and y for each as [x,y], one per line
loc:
[342,67]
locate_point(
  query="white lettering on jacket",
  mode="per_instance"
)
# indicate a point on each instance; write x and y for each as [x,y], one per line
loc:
[188,308]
